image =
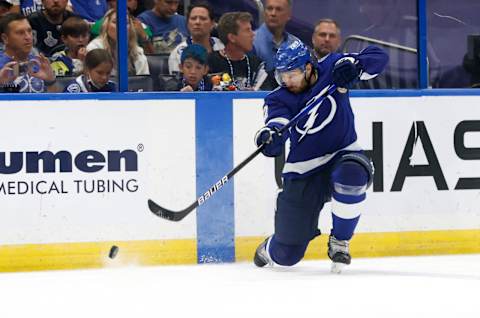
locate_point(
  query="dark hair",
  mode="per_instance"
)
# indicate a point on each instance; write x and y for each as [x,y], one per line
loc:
[9,18]
[96,57]
[75,26]
[200,4]
[5,4]
[228,24]
[196,52]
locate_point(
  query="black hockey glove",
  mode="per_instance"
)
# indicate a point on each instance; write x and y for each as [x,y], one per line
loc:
[272,139]
[346,72]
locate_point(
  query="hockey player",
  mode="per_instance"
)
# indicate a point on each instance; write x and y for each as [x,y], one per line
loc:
[325,161]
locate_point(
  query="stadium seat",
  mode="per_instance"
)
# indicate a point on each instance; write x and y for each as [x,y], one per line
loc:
[62,81]
[158,63]
[140,83]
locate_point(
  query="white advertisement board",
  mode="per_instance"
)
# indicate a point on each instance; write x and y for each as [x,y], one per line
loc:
[82,170]
[416,194]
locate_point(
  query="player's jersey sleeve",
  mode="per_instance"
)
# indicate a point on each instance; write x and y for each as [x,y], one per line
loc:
[276,112]
[372,60]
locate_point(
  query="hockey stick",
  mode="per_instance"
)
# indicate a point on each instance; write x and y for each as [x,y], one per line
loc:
[179,215]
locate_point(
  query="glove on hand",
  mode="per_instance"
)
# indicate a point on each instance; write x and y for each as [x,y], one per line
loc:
[346,73]
[272,140]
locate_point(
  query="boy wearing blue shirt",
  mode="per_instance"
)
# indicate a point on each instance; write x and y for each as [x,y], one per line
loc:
[194,70]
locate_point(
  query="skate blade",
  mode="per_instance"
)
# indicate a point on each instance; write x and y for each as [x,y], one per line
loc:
[337,268]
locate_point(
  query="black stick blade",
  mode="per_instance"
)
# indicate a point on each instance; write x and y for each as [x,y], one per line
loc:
[168,214]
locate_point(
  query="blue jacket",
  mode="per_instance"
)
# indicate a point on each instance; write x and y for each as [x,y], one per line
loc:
[329,129]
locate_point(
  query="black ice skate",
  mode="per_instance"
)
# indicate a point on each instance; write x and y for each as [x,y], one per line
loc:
[262,257]
[339,253]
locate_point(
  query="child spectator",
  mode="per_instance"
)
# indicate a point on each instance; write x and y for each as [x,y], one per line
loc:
[137,61]
[75,36]
[96,75]
[193,68]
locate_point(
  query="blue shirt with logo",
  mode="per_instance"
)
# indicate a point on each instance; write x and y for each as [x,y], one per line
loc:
[27,7]
[91,10]
[167,33]
[24,83]
[83,85]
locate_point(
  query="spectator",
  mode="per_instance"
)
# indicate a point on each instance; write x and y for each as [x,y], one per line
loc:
[25,7]
[143,31]
[4,7]
[245,69]
[137,61]
[200,24]
[90,10]
[111,4]
[194,70]
[135,7]
[96,76]
[20,70]
[325,38]
[169,28]
[75,35]
[46,26]
[271,34]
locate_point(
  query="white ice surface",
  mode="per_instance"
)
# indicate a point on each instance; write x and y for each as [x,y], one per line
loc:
[438,286]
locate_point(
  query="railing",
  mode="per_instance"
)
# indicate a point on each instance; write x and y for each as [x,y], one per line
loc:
[378,42]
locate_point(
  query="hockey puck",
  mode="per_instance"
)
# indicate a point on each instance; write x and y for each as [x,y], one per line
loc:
[113,251]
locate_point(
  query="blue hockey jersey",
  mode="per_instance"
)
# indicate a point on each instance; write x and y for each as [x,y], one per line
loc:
[329,128]
[91,10]
[27,7]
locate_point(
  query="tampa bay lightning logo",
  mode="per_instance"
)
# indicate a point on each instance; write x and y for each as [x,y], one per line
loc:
[29,84]
[311,126]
